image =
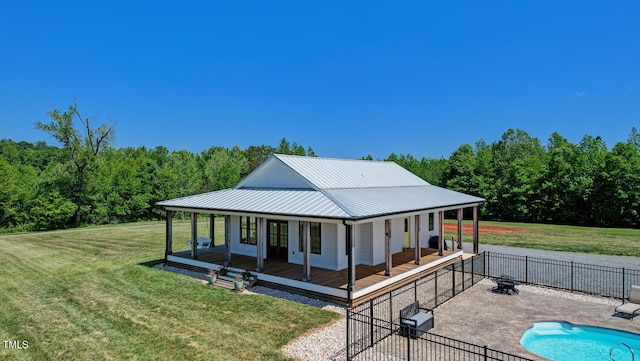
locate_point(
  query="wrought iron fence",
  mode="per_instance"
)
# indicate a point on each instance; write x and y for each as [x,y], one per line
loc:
[575,277]
[429,347]
[372,327]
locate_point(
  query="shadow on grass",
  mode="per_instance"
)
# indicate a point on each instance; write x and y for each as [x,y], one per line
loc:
[153,263]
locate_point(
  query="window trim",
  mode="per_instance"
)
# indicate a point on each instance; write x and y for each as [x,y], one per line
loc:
[250,224]
[431,221]
[316,248]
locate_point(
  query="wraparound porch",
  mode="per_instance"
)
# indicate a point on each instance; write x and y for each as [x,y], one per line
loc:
[328,284]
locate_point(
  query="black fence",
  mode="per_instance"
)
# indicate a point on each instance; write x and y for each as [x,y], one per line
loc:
[571,276]
[372,327]
[429,347]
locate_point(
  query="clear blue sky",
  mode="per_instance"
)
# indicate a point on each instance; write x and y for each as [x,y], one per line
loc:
[347,78]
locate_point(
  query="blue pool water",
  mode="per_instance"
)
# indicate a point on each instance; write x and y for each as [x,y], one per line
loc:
[562,341]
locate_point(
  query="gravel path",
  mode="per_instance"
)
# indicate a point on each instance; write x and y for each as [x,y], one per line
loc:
[594,259]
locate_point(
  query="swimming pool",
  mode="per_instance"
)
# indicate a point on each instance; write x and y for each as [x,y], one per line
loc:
[563,341]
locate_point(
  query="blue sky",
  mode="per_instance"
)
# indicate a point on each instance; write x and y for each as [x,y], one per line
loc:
[346,78]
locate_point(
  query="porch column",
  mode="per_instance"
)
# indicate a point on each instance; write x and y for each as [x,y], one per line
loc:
[227,240]
[475,230]
[194,235]
[460,218]
[306,249]
[387,248]
[440,233]
[418,250]
[260,246]
[351,258]
[169,236]
[212,222]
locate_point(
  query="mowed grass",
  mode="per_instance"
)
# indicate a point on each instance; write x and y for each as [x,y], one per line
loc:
[608,241]
[90,294]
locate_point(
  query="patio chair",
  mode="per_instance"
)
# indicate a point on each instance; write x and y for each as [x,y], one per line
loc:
[631,307]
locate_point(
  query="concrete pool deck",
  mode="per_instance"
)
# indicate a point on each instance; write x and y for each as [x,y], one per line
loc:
[498,320]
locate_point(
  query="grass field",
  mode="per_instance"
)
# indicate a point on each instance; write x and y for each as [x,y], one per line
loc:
[89,294]
[610,241]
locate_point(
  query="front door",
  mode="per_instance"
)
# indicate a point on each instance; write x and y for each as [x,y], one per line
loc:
[277,239]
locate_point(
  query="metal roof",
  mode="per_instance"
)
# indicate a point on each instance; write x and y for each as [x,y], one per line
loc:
[329,173]
[370,202]
[341,188]
[273,201]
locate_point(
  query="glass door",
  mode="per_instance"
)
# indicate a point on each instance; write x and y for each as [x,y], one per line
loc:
[277,239]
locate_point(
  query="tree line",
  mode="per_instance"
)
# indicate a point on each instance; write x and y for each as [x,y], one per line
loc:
[86,180]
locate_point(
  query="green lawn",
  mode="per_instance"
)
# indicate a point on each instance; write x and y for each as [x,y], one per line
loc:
[90,294]
[609,241]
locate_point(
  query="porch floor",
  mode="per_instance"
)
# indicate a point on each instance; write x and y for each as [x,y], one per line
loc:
[365,275]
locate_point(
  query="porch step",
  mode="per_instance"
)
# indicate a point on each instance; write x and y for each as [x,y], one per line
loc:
[227,280]
[223,284]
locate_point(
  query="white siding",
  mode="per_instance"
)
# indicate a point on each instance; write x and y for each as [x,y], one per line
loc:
[425,234]
[341,249]
[378,243]
[275,174]
[397,235]
[327,259]
[236,246]
[364,243]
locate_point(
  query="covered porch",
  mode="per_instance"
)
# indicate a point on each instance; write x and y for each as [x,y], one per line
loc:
[370,281]
[358,279]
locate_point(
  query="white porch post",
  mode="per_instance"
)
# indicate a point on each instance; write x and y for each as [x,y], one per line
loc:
[418,250]
[194,235]
[460,218]
[169,236]
[306,249]
[227,240]
[212,222]
[387,248]
[260,245]
[475,230]
[440,233]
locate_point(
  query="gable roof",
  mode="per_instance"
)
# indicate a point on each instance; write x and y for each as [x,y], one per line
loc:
[326,188]
[329,173]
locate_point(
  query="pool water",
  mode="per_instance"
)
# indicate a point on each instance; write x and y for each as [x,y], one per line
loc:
[563,341]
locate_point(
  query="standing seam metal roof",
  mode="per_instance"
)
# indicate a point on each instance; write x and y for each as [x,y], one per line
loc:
[327,173]
[345,189]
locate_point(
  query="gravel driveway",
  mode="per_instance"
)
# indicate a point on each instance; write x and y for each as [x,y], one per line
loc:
[595,259]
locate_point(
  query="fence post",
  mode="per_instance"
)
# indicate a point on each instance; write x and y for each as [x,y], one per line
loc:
[371,318]
[453,280]
[436,289]
[623,294]
[390,307]
[415,290]
[526,269]
[473,274]
[463,276]
[409,348]
[571,276]
[348,333]
[487,264]
[486,353]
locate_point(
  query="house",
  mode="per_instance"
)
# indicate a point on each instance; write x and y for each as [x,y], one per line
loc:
[338,229]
